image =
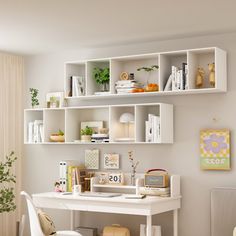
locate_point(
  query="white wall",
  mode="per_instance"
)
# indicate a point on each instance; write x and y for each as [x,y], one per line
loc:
[191,114]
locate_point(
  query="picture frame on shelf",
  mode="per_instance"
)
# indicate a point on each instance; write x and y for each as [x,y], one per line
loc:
[116,178]
[78,86]
[111,161]
[55,99]
[94,125]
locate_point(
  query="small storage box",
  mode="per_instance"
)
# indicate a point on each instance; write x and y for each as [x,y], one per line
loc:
[86,231]
[115,230]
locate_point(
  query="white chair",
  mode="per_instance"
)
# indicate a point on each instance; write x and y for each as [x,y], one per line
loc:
[22,226]
[35,227]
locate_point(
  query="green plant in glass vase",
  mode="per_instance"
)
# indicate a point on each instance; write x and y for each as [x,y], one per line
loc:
[7,181]
[150,87]
[102,77]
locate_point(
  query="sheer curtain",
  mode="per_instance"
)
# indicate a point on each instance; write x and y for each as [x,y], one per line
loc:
[11,126]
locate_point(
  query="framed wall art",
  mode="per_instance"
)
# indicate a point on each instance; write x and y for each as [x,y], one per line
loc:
[92,159]
[55,100]
[111,161]
[215,149]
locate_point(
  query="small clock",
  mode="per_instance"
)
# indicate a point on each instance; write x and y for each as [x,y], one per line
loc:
[116,178]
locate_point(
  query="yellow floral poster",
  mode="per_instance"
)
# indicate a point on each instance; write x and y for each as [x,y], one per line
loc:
[215,149]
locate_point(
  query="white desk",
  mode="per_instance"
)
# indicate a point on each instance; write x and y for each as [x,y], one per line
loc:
[148,206]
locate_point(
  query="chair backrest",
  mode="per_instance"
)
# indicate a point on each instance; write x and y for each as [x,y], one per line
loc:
[22,226]
[35,227]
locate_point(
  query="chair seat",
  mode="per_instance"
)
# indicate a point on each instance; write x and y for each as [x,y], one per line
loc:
[67,233]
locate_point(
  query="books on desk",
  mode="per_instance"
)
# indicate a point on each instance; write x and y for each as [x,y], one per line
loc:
[71,173]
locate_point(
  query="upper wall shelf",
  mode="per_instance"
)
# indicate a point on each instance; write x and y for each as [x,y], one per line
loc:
[166,61]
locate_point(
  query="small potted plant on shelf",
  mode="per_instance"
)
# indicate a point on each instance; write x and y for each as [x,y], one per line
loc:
[102,77]
[86,134]
[58,137]
[150,87]
[34,100]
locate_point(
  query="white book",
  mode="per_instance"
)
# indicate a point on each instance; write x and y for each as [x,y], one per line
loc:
[30,132]
[174,77]
[181,87]
[151,125]
[148,134]
[41,133]
[186,77]
[156,131]
[77,86]
[168,86]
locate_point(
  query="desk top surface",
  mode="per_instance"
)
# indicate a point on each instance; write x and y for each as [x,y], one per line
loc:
[117,199]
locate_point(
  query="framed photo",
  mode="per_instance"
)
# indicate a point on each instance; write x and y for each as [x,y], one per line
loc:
[111,161]
[78,86]
[215,149]
[55,100]
[95,125]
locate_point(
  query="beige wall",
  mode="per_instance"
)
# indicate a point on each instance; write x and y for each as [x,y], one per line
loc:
[191,113]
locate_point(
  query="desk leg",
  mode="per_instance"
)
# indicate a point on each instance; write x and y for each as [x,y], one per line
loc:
[175,222]
[149,226]
[72,220]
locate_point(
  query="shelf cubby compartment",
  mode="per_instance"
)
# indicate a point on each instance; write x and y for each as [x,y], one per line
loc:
[167,60]
[201,58]
[130,64]
[74,117]
[54,119]
[121,132]
[92,86]
[74,69]
[165,114]
[30,115]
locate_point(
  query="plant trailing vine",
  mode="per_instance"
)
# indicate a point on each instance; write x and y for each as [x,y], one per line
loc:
[34,100]
[7,196]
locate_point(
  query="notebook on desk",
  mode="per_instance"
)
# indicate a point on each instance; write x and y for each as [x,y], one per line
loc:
[99,194]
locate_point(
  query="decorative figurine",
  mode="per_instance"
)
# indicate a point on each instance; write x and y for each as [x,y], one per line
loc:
[211,68]
[57,187]
[199,77]
[134,167]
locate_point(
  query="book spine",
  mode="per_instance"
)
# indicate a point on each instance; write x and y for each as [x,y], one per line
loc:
[69,178]
[184,74]
[186,77]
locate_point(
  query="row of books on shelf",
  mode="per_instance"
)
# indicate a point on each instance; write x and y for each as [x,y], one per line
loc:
[127,86]
[152,129]
[178,80]
[100,138]
[71,173]
[35,131]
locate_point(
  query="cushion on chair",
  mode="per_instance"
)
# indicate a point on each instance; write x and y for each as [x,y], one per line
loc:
[46,223]
[67,233]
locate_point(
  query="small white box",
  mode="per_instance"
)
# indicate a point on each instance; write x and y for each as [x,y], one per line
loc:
[86,231]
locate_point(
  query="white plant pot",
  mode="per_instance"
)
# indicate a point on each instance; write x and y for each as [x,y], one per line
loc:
[85,138]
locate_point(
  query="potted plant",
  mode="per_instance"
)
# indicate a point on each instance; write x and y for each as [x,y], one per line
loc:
[58,137]
[150,87]
[34,99]
[7,196]
[86,134]
[102,77]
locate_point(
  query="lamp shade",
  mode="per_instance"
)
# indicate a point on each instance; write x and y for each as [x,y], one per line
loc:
[127,118]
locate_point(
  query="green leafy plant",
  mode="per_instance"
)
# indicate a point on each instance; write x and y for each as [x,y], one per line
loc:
[60,132]
[101,76]
[34,100]
[7,196]
[148,69]
[86,131]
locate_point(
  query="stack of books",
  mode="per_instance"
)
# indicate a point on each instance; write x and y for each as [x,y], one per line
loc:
[178,80]
[152,129]
[100,138]
[127,86]
[35,131]
[71,173]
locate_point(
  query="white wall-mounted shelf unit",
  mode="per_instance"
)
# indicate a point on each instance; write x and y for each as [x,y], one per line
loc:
[69,119]
[193,57]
